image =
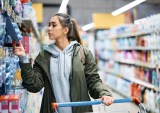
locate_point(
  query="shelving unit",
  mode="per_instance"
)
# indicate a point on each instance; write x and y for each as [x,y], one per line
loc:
[117,53]
[26,24]
[132,62]
[148,85]
[9,85]
[7,8]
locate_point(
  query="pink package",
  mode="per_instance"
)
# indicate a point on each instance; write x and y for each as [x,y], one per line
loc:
[14,104]
[25,42]
[4,104]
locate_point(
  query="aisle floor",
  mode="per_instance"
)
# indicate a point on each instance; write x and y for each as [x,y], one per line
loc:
[117,108]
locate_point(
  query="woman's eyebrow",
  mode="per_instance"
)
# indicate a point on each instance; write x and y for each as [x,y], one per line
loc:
[52,22]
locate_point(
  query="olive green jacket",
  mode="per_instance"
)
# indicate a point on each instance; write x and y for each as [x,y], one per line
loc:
[84,79]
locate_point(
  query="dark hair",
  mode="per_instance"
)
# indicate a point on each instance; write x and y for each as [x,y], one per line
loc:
[66,21]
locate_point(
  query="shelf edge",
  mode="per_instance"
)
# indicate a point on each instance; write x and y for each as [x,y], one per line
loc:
[148,85]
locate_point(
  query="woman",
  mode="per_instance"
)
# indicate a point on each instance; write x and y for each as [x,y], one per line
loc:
[60,71]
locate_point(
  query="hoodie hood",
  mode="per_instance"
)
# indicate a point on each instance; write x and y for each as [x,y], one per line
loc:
[55,51]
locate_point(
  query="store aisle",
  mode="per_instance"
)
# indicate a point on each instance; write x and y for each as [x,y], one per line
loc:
[117,108]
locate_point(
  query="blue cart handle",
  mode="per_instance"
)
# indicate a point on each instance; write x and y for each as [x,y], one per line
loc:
[123,100]
[87,103]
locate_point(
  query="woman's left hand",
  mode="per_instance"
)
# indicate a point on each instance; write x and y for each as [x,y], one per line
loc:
[107,100]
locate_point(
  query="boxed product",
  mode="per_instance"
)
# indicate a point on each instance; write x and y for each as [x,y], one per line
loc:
[4,105]
[14,104]
[25,43]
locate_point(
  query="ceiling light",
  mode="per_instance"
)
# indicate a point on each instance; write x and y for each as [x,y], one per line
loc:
[63,7]
[127,7]
[88,26]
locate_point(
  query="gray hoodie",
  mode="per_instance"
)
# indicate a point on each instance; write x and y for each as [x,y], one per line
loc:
[60,69]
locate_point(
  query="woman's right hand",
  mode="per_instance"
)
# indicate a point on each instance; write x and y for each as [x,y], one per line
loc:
[18,49]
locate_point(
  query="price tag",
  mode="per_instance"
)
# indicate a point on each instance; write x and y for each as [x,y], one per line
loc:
[18,75]
[1,52]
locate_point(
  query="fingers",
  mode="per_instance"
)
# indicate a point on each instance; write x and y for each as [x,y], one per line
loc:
[18,48]
[17,52]
[17,45]
[107,100]
[20,44]
[13,43]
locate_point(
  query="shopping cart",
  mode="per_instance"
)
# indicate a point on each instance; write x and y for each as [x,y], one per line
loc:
[96,102]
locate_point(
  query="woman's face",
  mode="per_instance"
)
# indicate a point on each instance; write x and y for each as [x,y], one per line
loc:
[55,29]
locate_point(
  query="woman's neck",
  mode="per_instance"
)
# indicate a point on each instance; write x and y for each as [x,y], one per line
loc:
[62,43]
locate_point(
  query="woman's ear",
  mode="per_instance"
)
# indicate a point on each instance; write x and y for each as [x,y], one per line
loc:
[66,30]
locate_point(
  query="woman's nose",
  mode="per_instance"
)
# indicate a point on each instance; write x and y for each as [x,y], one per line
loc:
[49,28]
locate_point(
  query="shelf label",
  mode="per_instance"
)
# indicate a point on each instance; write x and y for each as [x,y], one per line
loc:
[1,52]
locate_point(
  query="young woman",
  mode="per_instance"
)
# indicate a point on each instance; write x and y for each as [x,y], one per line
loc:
[60,71]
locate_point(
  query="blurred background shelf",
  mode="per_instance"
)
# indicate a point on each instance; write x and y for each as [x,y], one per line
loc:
[140,82]
[116,91]
[132,62]
[133,48]
[125,35]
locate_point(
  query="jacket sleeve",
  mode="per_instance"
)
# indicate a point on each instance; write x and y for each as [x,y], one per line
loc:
[33,79]
[94,83]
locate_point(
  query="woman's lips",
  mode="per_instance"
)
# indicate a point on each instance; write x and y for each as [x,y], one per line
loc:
[49,34]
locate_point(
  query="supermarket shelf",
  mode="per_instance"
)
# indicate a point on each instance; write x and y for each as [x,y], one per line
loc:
[118,92]
[125,35]
[17,87]
[137,81]
[137,63]
[133,48]
[28,26]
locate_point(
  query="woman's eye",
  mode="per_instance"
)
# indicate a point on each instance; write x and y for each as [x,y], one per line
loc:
[54,25]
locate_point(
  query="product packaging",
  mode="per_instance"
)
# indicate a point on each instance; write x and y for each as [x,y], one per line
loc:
[26,44]
[14,104]
[4,105]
